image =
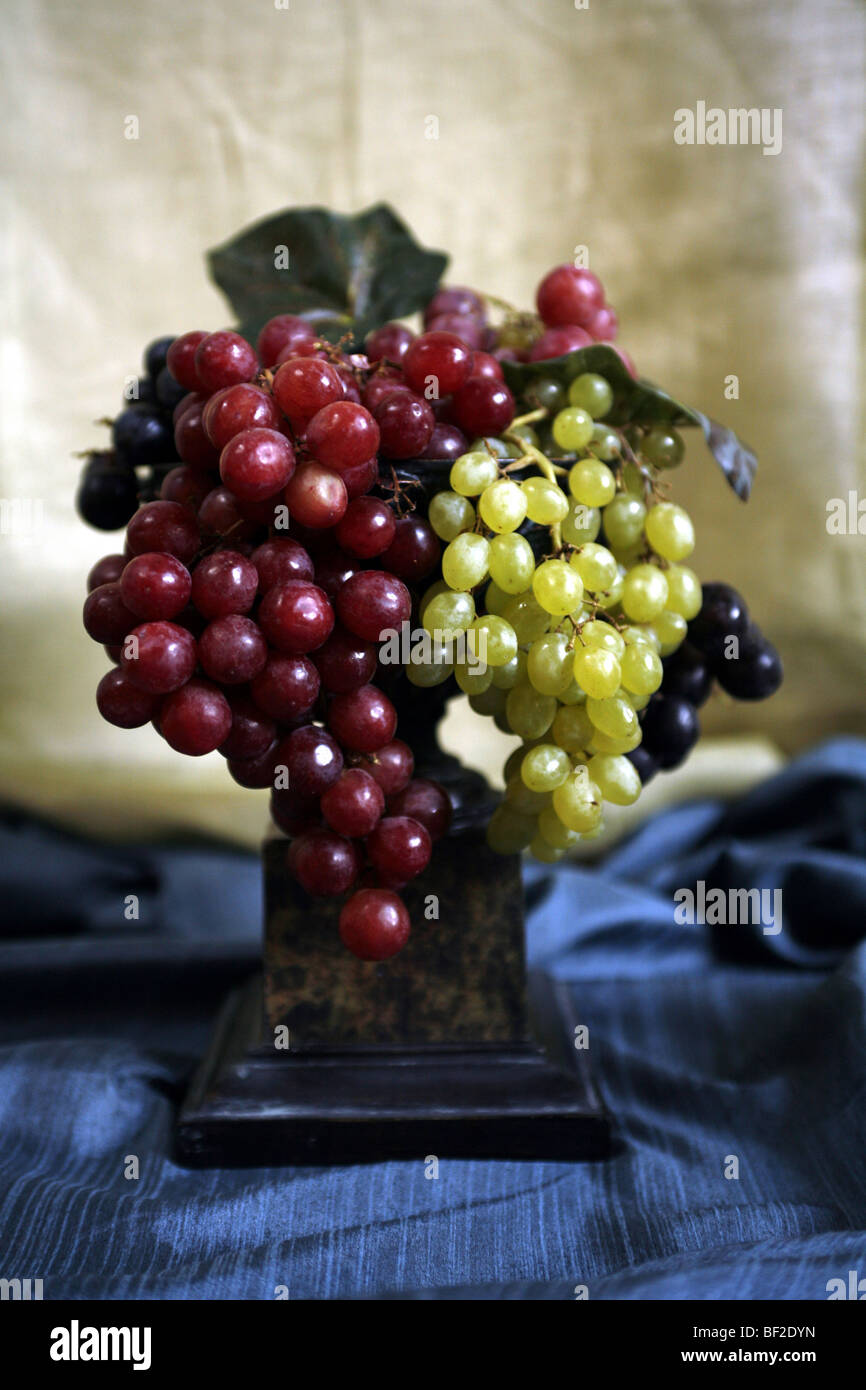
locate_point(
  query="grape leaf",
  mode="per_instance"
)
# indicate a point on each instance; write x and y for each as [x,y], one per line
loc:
[639,402]
[346,274]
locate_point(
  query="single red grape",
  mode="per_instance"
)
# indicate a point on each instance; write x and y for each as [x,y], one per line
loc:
[414,551]
[367,528]
[257,463]
[279,560]
[333,568]
[343,435]
[164,526]
[345,662]
[106,571]
[238,408]
[483,406]
[354,805]
[466,327]
[389,341]
[196,719]
[392,766]
[406,424]
[363,720]
[122,703]
[192,442]
[224,359]
[232,650]
[442,356]
[252,733]
[454,299]
[604,324]
[374,924]
[185,485]
[313,760]
[254,773]
[296,617]
[399,848]
[360,478]
[155,585]
[425,801]
[556,342]
[372,602]
[280,333]
[316,496]
[181,359]
[287,687]
[106,617]
[161,659]
[446,442]
[483,364]
[224,582]
[219,515]
[303,385]
[294,814]
[569,294]
[324,864]
[382,385]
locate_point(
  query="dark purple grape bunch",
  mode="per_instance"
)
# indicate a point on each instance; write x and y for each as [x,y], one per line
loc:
[725,645]
[142,452]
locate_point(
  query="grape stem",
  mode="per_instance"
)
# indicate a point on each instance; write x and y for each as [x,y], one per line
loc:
[550,471]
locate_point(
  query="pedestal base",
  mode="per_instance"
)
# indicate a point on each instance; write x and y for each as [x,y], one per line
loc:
[251,1106]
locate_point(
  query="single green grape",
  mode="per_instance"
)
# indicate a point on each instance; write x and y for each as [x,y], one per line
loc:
[549,663]
[449,514]
[515,758]
[641,669]
[440,587]
[471,679]
[603,743]
[671,630]
[595,565]
[545,767]
[512,563]
[638,701]
[573,729]
[572,428]
[526,433]
[489,444]
[490,701]
[557,587]
[546,393]
[551,829]
[581,524]
[600,634]
[508,832]
[591,393]
[610,599]
[530,714]
[543,851]
[623,520]
[506,677]
[605,444]
[493,639]
[546,503]
[591,483]
[663,447]
[633,479]
[572,694]
[616,778]
[449,614]
[502,505]
[614,715]
[473,472]
[646,634]
[527,617]
[464,561]
[684,591]
[426,674]
[495,598]
[644,593]
[577,802]
[597,671]
[524,799]
[670,531]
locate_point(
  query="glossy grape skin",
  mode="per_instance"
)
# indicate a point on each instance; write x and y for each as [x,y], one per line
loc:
[224,582]
[235,409]
[688,675]
[281,332]
[107,494]
[367,528]
[220,515]
[392,766]
[254,773]
[121,703]
[313,758]
[142,437]
[155,585]
[372,602]
[345,662]
[191,440]
[723,614]
[106,571]
[257,463]
[569,294]
[446,442]
[406,425]
[454,299]
[592,393]
[164,526]
[286,687]
[296,617]
[364,720]
[195,719]
[224,359]
[413,551]
[643,761]
[670,729]
[343,435]
[604,325]
[162,659]
[355,803]
[556,342]
[374,924]
[442,356]
[180,359]
[106,617]
[252,732]
[483,406]
[333,569]
[360,477]
[382,385]
[390,341]
[399,848]
[279,560]
[427,802]
[326,865]
[755,673]
[185,485]
[316,496]
[305,385]
[663,447]
[232,650]
[295,815]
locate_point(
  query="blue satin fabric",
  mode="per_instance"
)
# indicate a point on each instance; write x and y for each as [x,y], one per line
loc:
[733,1061]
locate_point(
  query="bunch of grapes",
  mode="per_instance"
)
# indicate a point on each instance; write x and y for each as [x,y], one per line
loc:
[228,634]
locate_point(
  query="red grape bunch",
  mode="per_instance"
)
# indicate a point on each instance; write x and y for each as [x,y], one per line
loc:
[229,634]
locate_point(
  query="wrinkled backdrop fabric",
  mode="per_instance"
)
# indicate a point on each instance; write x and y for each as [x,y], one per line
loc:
[555,130]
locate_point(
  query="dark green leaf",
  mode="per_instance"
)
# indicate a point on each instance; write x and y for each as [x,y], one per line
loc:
[639,402]
[347,274]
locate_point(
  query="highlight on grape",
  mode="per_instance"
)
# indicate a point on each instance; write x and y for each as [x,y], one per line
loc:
[550,581]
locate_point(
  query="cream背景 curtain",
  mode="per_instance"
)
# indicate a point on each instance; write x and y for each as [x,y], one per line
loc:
[554,128]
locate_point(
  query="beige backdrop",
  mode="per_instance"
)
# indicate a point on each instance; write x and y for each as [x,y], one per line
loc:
[555,129]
